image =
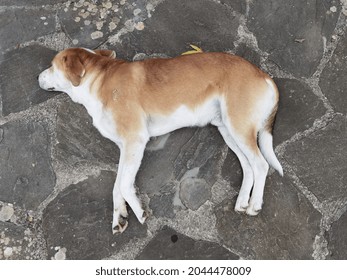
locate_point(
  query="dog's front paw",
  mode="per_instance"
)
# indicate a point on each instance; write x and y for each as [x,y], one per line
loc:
[120,220]
[119,225]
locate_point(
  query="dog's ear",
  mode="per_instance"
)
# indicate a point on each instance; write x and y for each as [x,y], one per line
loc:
[74,68]
[107,53]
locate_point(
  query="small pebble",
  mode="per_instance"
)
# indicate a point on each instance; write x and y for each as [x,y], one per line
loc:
[60,255]
[112,26]
[108,5]
[96,35]
[140,26]
[6,212]
[75,41]
[99,25]
[8,252]
[333,9]
[136,12]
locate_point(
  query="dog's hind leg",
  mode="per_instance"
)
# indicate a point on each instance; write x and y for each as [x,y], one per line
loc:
[247,143]
[120,213]
[247,181]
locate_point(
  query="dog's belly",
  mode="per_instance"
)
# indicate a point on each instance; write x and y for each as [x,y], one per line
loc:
[183,116]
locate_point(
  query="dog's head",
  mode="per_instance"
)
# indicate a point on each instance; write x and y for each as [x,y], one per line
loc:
[69,68]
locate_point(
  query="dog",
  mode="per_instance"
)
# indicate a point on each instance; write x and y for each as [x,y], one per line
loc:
[130,102]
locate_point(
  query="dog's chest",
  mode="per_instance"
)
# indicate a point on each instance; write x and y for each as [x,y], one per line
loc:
[103,119]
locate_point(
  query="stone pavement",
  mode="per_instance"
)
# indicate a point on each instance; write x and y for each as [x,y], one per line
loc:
[57,172]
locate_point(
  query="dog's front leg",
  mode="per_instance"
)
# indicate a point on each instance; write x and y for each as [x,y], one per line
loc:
[129,164]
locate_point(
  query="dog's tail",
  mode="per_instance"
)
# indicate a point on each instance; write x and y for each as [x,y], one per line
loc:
[265,134]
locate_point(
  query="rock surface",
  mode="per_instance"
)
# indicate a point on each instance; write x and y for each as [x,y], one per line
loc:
[57,172]
[26,174]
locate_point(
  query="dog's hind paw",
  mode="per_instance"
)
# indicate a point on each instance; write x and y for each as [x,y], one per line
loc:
[241,204]
[254,207]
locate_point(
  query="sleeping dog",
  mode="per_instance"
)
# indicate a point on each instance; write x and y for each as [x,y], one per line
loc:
[133,101]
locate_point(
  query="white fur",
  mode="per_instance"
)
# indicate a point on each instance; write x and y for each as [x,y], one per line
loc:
[184,117]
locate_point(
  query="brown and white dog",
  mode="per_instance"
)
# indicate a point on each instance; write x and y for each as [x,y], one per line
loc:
[133,101]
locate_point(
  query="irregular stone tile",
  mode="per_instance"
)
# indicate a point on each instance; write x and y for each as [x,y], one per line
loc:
[26,174]
[284,229]
[78,140]
[203,153]
[17,242]
[279,24]
[162,205]
[333,80]
[298,109]
[19,88]
[158,163]
[319,160]
[21,25]
[194,192]
[172,27]
[171,245]
[79,220]
[337,239]
[90,23]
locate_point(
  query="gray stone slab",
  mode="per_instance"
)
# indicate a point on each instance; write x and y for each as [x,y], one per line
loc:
[158,164]
[171,245]
[19,69]
[79,220]
[22,25]
[194,192]
[170,30]
[297,111]
[163,205]
[333,80]
[337,239]
[319,160]
[284,229]
[78,140]
[26,174]
[280,25]
[90,23]
[202,153]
